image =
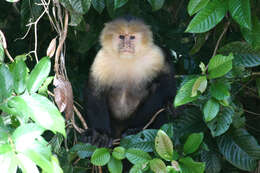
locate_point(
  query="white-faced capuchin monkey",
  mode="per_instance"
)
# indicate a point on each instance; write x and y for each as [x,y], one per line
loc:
[130,80]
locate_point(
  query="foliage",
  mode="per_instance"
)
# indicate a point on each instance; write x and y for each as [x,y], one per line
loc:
[215,45]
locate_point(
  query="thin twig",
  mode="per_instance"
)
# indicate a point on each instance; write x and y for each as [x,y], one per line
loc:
[220,38]
[80,117]
[250,112]
[4,44]
[62,40]
[153,118]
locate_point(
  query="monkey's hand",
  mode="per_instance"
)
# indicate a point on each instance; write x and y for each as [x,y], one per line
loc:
[97,138]
[131,131]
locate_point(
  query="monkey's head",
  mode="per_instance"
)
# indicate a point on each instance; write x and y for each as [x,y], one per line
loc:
[126,38]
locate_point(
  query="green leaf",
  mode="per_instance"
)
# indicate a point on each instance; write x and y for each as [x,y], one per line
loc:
[193,143]
[41,110]
[247,142]
[12,0]
[184,93]
[190,166]
[164,146]
[99,5]
[26,164]
[221,123]
[38,75]
[119,3]
[199,85]
[83,150]
[100,157]
[4,148]
[210,110]
[2,53]
[253,36]
[6,84]
[43,90]
[190,122]
[219,65]
[119,153]
[138,168]
[244,54]
[27,132]
[212,160]
[40,153]
[8,163]
[220,90]
[110,8]
[156,4]
[137,156]
[168,129]
[56,165]
[157,165]
[143,141]
[20,74]
[196,5]
[235,154]
[80,6]
[208,17]
[115,166]
[241,12]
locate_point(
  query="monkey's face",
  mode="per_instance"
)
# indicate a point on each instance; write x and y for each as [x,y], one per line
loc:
[126,44]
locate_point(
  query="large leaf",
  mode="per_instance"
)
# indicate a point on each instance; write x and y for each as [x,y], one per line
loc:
[41,110]
[157,165]
[244,54]
[241,12]
[6,84]
[247,142]
[190,122]
[100,157]
[219,65]
[8,163]
[190,166]
[83,150]
[38,75]
[221,123]
[115,166]
[164,146]
[156,4]
[119,153]
[137,156]
[80,6]
[253,36]
[119,3]
[210,110]
[208,17]
[212,160]
[27,132]
[220,90]
[143,140]
[99,5]
[26,164]
[184,94]
[196,5]
[19,74]
[192,143]
[235,154]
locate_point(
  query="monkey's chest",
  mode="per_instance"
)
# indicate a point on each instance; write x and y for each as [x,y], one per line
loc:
[124,101]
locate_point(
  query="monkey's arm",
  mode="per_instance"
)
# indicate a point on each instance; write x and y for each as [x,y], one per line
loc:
[164,93]
[98,119]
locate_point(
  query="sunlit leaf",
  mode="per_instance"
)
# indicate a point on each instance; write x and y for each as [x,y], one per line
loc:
[192,143]
[196,5]
[100,157]
[210,110]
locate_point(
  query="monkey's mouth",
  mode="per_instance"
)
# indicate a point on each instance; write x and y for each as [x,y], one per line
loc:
[127,51]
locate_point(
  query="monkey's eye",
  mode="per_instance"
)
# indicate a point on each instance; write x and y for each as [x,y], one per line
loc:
[132,37]
[122,37]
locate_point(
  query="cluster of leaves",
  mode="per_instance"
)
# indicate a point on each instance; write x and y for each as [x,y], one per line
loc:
[25,116]
[136,149]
